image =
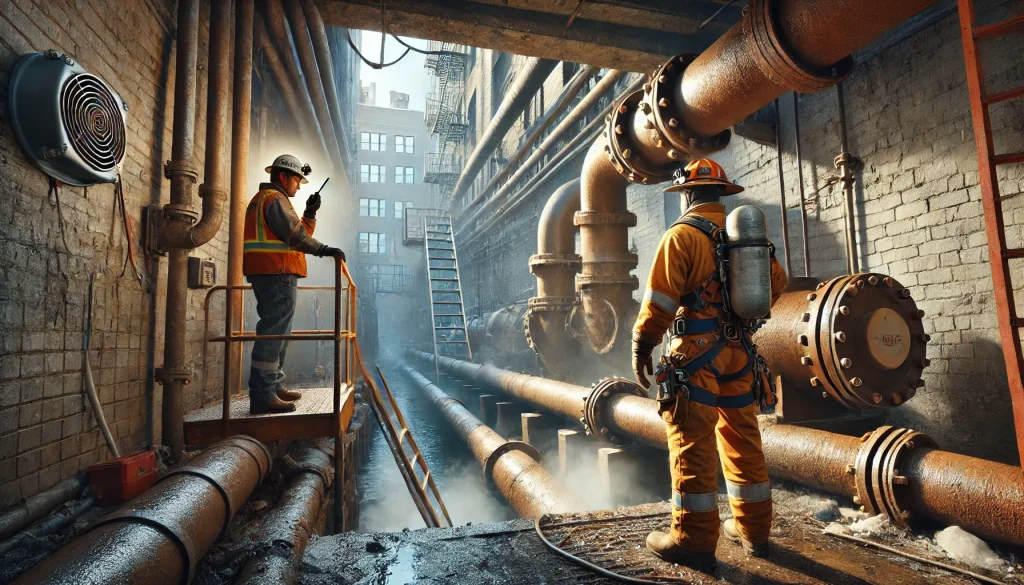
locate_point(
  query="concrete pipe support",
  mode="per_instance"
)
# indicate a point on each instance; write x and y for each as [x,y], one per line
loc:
[897,472]
[158,537]
[512,467]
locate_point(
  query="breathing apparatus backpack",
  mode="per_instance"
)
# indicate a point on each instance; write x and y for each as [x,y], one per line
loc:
[743,258]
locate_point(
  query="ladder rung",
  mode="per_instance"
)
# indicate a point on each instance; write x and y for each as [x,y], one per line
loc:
[996,29]
[437,258]
[446,303]
[437,232]
[449,328]
[1002,96]
[401,435]
[1013,253]
[426,480]
[445,290]
[445,240]
[460,342]
[1008,158]
[434,279]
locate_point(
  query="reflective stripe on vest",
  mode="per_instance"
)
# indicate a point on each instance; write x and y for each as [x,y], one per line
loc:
[262,251]
[751,492]
[695,502]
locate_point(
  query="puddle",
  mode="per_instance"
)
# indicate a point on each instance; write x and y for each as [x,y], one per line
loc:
[399,570]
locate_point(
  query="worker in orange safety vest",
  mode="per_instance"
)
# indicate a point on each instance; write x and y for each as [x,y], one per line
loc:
[274,258]
[719,377]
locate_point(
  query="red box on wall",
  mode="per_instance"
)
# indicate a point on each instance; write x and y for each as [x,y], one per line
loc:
[116,481]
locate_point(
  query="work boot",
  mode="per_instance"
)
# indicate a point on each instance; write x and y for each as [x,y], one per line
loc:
[288,395]
[666,549]
[262,404]
[753,549]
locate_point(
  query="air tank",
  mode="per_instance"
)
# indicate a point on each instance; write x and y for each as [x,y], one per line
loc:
[749,278]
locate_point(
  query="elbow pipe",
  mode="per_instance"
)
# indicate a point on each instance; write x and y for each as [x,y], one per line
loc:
[897,472]
[555,265]
[528,80]
[512,467]
[322,52]
[158,537]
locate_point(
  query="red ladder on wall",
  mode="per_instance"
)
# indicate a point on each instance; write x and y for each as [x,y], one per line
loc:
[999,255]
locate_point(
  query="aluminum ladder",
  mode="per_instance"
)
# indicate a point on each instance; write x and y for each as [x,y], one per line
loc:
[447,312]
[999,254]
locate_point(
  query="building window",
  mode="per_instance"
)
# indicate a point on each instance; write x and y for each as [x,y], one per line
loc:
[373,207]
[372,173]
[400,207]
[406,175]
[373,141]
[406,144]
[372,243]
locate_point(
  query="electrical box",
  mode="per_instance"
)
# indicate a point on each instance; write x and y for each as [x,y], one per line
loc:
[202,273]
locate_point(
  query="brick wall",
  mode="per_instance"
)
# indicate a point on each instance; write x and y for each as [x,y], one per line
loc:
[919,216]
[46,431]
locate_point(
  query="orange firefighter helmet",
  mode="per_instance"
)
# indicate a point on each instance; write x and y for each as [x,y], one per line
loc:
[703,171]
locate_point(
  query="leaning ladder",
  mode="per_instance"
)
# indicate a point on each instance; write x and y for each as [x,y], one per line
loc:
[447,314]
[999,255]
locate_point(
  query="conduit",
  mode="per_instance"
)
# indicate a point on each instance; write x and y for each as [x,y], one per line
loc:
[896,472]
[158,537]
[287,527]
[322,50]
[528,80]
[278,69]
[511,467]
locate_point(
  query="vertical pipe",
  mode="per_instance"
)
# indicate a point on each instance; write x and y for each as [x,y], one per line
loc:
[339,440]
[240,114]
[800,182]
[782,188]
[847,179]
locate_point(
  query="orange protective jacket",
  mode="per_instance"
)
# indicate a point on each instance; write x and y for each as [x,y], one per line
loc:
[684,261]
[266,252]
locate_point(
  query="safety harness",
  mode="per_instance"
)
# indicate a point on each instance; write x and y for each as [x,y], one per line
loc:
[675,378]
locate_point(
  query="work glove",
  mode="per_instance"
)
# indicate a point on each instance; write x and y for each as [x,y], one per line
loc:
[326,250]
[312,205]
[643,361]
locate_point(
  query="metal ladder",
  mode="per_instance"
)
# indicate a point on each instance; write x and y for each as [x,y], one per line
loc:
[447,314]
[421,485]
[999,255]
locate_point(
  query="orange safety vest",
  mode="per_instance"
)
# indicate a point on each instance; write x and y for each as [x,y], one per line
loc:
[265,253]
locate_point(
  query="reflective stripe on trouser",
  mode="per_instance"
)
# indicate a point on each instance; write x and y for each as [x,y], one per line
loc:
[275,305]
[694,431]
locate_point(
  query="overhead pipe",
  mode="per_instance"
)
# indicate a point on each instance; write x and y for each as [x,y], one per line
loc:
[286,528]
[530,140]
[322,51]
[844,164]
[158,537]
[180,232]
[603,88]
[241,96]
[19,516]
[314,84]
[529,78]
[897,472]
[555,265]
[512,467]
[684,112]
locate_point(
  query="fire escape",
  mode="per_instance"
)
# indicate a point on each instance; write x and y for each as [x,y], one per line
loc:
[444,117]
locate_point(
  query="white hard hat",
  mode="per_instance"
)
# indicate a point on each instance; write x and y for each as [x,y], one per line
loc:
[287,162]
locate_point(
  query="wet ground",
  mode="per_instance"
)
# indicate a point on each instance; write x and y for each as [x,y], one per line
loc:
[512,553]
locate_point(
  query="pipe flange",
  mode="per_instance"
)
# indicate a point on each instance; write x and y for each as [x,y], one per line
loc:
[878,481]
[206,190]
[778,62]
[894,484]
[620,150]
[176,168]
[567,260]
[550,304]
[153,519]
[502,449]
[604,218]
[230,509]
[161,375]
[586,282]
[677,141]
[592,415]
[250,445]
[179,212]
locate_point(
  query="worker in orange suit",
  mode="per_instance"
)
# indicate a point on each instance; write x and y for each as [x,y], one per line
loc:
[719,399]
[274,258]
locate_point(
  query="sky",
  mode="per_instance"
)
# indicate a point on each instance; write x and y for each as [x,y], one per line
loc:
[407,76]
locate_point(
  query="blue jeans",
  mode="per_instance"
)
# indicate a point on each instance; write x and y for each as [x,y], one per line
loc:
[275,305]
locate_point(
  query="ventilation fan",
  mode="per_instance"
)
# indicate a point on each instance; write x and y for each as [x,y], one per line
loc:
[70,123]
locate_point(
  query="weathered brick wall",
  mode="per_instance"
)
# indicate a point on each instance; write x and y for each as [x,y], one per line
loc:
[919,215]
[46,431]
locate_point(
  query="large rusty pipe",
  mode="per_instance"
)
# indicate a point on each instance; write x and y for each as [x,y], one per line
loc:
[314,84]
[322,51]
[529,78]
[894,471]
[511,466]
[158,537]
[240,126]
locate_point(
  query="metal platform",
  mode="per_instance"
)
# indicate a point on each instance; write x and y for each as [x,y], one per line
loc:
[313,418]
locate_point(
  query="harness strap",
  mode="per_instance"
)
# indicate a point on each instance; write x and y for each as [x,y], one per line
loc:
[708,398]
[694,326]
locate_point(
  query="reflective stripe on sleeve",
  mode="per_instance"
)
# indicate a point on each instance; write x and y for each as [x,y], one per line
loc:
[695,502]
[751,492]
[662,300]
[263,365]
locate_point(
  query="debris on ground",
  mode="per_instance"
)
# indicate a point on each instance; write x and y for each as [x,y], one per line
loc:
[963,546]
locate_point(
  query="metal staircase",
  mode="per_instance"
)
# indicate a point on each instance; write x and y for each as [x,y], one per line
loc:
[447,312]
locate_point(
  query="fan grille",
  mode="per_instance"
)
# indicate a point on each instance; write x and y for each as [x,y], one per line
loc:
[93,121]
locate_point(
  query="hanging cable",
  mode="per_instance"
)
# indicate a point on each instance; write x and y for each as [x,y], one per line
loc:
[372,64]
[418,50]
[129,235]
